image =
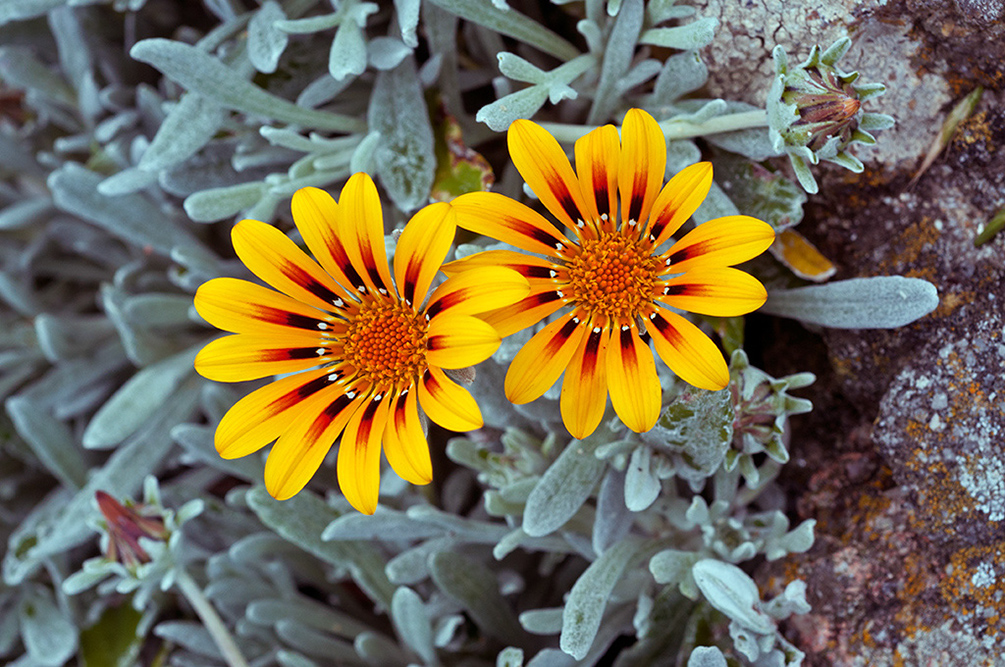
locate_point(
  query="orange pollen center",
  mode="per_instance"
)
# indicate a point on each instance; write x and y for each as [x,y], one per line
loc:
[386,344]
[613,275]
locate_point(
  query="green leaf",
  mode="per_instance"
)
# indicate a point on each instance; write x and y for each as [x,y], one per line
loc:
[198,71]
[881,302]
[303,518]
[618,56]
[564,487]
[731,590]
[588,598]
[459,169]
[219,203]
[511,23]
[49,637]
[266,42]
[413,623]
[137,400]
[474,586]
[188,127]
[50,439]
[112,641]
[133,217]
[404,157]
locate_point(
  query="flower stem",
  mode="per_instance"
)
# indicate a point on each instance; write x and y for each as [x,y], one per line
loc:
[676,129]
[214,624]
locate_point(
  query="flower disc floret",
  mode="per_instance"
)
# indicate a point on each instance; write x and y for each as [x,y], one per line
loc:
[386,344]
[613,276]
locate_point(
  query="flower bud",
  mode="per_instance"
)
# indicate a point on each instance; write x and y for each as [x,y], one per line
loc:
[815,111]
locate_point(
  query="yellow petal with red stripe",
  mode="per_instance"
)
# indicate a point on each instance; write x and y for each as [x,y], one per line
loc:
[447,403]
[542,359]
[320,223]
[687,351]
[632,380]
[721,292]
[720,242]
[584,388]
[359,454]
[459,341]
[277,260]
[421,249]
[252,356]
[302,448]
[499,217]
[542,301]
[678,200]
[240,306]
[597,158]
[261,416]
[360,208]
[479,290]
[641,165]
[405,444]
[544,166]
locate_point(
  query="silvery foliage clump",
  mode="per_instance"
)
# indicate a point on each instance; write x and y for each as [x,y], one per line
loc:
[131,134]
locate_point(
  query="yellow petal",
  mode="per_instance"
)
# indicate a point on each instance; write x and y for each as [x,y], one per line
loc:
[479,290]
[678,201]
[632,380]
[543,164]
[359,454]
[240,306]
[421,249]
[584,388]
[721,292]
[253,356]
[641,166]
[542,301]
[359,206]
[261,416]
[720,242]
[405,444]
[499,217]
[459,341]
[318,218]
[597,158]
[687,351]
[542,359]
[277,260]
[302,448]
[447,403]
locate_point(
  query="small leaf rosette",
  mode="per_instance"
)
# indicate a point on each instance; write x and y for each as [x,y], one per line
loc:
[359,351]
[815,111]
[613,275]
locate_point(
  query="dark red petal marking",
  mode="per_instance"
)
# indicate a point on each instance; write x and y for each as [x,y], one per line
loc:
[669,332]
[366,425]
[686,289]
[602,196]
[290,319]
[689,252]
[565,200]
[411,277]
[638,196]
[561,336]
[286,354]
[304,279]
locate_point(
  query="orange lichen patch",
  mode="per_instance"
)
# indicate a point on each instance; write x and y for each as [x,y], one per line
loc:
[974,585]
[975,130]
[913,241]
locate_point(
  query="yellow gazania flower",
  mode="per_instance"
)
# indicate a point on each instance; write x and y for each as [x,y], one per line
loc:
[369,350]
[614,280]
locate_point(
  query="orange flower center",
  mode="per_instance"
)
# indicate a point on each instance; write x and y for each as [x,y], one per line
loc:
[386,344]
[613,275]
